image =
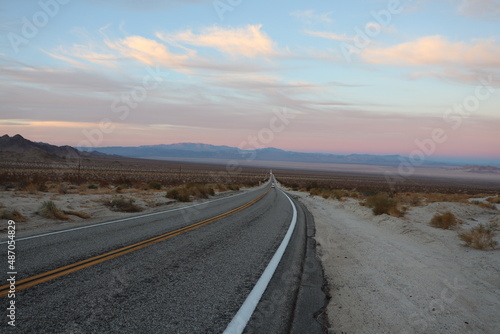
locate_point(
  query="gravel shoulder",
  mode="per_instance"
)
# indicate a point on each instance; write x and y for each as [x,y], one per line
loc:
[400,275]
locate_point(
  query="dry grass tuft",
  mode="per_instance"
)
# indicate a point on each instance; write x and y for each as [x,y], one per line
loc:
[338,194]
[480,237]
[195,190]
[49,209]
[32,189]
[410,199]
[123,205]
[221,187]
[444,221]
[80,214]
[63,189]
[494,200]
[453,198]
[12,215]
[154,185]
[485,205]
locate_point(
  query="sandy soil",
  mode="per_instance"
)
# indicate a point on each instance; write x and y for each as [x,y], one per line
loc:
[400,275]
[83,200]
[450,173]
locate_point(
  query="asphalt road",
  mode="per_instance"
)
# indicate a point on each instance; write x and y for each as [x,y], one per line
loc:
[193,282]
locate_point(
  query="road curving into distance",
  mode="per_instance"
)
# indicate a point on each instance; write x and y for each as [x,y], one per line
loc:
[180,271]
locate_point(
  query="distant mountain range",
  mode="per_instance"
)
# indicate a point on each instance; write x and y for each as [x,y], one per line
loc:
[479,169]
[205,151]
[17,148]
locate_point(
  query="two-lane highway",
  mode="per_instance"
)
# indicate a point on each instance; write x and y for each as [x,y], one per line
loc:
[181,271]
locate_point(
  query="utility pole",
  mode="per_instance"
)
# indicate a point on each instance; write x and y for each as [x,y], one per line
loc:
[79,169]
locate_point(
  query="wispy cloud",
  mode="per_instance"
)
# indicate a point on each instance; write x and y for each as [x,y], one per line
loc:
[373,26]
[459,75]
[309,16]
[488,10]
[150,52]
[249,41]
[437,50]
[13,123]
[329,35]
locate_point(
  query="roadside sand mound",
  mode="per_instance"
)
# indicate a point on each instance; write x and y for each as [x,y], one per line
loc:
[400,275]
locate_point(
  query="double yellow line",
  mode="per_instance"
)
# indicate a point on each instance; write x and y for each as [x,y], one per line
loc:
[49,275]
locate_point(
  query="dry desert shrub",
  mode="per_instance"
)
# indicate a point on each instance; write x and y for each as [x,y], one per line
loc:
[221,187]
[179,194]
[49,209]
[154,185]
[454,198]
[123,205]
[480,237]
[63,189]
[12,215]
[315,191]
[494,200]
[194,190]
[411,199]
[382,203]
[233,187]
[32,189]
[445,220]
[337,194]
[485,205]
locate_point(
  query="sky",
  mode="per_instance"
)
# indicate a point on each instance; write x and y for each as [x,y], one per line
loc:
[418,78]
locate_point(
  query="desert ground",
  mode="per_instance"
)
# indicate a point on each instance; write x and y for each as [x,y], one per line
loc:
[391,274]
[447,173]
[83,206]
[386,273]
[88,191]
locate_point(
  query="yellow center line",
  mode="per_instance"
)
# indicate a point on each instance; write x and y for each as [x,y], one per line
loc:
[65,270]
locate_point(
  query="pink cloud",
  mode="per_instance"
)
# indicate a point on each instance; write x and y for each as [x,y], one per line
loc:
[247,41]
[150,52]
[343,132]
[436,50]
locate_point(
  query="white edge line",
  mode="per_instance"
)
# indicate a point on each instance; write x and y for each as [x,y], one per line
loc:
[240,320]
[123,219]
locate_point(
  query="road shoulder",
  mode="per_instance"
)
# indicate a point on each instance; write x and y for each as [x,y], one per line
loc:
[294,301]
